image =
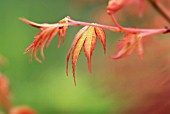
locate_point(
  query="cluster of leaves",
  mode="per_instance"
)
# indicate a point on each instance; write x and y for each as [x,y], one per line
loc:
[86,37]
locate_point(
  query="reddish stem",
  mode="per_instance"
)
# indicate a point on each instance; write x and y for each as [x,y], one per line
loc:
[117,29]
[115,22]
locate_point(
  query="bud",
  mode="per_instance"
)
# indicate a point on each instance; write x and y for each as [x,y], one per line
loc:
[115,5]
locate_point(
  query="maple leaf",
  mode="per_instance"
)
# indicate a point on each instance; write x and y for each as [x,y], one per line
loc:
[130,43]
[45,36]
[85,37]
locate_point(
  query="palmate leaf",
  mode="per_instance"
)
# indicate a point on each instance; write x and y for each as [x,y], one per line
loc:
[85,37]
[130,43]
[46,35]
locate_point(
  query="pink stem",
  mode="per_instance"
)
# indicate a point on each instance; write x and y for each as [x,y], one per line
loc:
[115,21]
[112,28]
[116,29]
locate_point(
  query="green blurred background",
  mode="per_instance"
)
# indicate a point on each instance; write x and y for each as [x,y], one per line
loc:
[45,86]
[112,88]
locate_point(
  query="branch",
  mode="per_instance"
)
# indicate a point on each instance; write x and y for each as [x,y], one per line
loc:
[161,9]
[86,38]
[71,22]
[117,29]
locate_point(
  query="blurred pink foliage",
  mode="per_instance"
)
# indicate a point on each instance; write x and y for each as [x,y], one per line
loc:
[6,102]
[128,13]
[22,110]
[144,84]
[4,92]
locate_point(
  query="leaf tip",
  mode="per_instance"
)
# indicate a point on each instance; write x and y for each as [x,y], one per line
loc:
[89,67]
[74,76]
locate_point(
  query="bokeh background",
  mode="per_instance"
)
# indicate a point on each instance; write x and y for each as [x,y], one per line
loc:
[115,87]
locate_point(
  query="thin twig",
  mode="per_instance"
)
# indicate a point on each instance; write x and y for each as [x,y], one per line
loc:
[161,9]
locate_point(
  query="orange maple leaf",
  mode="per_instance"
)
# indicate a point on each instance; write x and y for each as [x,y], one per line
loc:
[45,36]
[130,43]
[85,37]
